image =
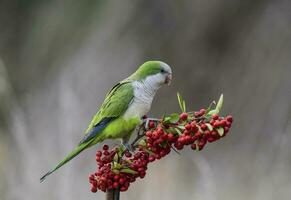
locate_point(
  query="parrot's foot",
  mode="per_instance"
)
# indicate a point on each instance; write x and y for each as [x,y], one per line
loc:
[147,120]
[128,146]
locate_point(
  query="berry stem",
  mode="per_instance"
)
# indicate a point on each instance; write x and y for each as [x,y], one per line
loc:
[110,195]
[116,194]
[113,194]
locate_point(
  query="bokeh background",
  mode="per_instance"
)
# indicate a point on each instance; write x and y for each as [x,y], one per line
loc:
[59,58]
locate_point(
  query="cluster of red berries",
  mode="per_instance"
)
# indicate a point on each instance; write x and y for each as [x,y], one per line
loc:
[201,130]
[117,168]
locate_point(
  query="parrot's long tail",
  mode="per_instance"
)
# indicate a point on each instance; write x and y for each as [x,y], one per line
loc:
[69,157]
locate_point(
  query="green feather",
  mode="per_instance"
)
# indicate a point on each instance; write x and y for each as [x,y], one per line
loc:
[115,104]
[145,70]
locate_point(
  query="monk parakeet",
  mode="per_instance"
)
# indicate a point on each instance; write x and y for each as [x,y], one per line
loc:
[123,108]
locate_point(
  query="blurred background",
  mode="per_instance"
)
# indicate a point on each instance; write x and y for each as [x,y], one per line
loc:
[59,58]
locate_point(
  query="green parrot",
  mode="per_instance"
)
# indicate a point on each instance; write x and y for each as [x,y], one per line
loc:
[123,108]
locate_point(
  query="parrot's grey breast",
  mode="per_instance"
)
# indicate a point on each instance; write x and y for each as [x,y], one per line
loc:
[144,92]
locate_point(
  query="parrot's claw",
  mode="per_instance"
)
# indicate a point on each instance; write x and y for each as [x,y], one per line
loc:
[128,147]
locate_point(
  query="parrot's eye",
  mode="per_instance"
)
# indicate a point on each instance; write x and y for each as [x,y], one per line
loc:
[163,71]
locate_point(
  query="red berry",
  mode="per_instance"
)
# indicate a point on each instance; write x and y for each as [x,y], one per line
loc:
[193,146]
[149,134]
[216,124]
[140,169]
[214,133]
[128,154]
[202,111]
[222,122]
[207,133]
[188,139]
[160,131]
[155,135]
[184,116]
[228,124]
[179,145]
[164,137]
[98,159]
[142,174]
[116,177]
[171,137]
[115,185]
[203,126]
[215,116]
[198,134]
[188,127]
[210,139]
[193,126]
[91,177]
[197,114]
[121,181]
[99,153]
[105,147]
[229,118]
[212,121]
[151,124]
[152,158]
[94,189]
[123,188]
[186,132]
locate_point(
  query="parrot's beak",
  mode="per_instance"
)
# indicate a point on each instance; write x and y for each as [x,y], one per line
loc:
[168,79]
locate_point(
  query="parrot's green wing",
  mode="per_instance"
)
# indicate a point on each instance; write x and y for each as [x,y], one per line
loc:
[115,104]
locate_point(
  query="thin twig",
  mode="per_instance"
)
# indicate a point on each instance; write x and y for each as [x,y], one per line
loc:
[110,195]
[116,194]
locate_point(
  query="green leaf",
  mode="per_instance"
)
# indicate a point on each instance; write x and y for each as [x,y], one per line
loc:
[121,149]
[181,127]
[209,126]
[174,118]
[149,151]
[212,112]
[128,161]
[178,131]
[217,108]
[115,171]
[210,106]
[128,171]
[163,118]
[166,119]
[142,143]
[220,131]
[219,104]
[181,102]
[115,158]
[117,166]
[184,106]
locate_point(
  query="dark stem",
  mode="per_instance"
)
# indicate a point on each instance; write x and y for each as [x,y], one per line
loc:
[113,194]
[116,194]
[110,195]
